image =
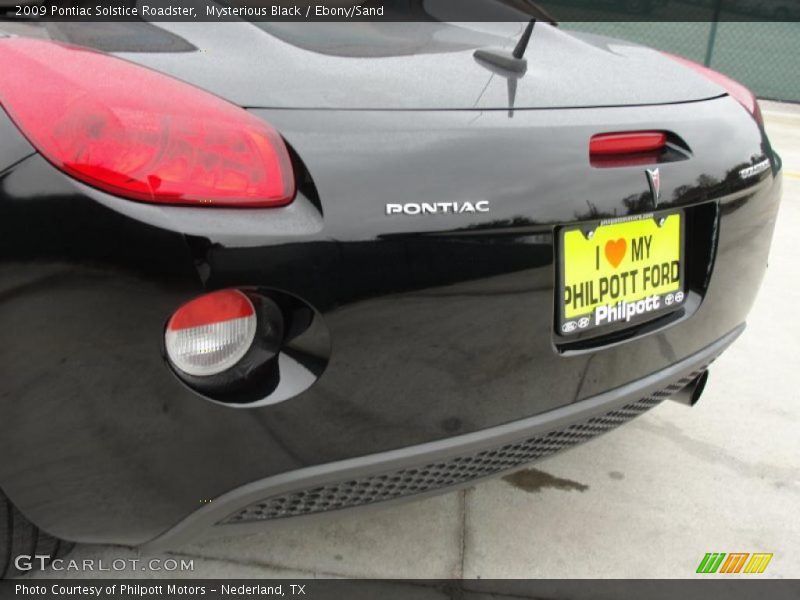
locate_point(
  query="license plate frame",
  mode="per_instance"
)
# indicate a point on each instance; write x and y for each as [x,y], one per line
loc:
[669,298]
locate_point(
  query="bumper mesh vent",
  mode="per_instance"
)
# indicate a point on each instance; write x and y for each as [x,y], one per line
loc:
[369,489]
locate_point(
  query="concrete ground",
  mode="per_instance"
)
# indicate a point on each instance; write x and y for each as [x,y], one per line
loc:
[647,500]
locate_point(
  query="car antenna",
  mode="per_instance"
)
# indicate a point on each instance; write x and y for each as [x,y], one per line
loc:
[513,61]
[522,44]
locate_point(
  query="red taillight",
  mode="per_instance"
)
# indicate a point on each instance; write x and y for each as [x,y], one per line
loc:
[631,142]
[215,307]
[736,90]
[211,333]
[139,134]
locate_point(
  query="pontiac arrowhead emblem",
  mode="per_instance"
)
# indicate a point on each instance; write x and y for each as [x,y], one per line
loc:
[654,179]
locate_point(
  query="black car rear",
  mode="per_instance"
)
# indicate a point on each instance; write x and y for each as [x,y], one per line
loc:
[420,348]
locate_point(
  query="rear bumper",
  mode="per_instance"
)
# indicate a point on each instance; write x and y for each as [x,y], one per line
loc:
[436,467]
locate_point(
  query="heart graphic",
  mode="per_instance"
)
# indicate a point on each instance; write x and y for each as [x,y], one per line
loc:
[615,251]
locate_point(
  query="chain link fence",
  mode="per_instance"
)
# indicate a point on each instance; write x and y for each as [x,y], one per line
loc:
[763,56]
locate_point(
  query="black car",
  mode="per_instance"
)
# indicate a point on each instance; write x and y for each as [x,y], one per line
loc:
[255,271]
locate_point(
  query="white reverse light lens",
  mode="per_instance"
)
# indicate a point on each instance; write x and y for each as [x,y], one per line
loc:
[211,334]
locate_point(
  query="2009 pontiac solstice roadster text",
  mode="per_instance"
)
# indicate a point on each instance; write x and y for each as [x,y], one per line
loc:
[111,11]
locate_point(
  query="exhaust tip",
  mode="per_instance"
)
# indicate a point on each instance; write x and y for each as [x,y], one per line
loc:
[690,394]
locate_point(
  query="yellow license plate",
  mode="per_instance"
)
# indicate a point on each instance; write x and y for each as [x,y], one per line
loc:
[620,272]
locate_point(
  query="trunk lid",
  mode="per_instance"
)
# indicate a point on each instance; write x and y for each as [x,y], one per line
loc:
[407,66]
